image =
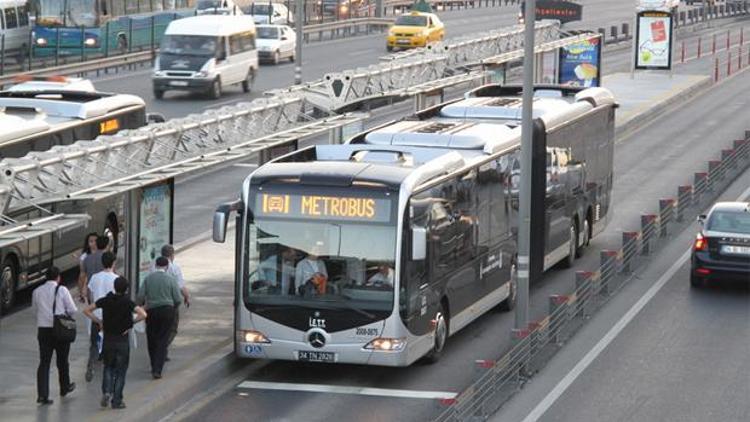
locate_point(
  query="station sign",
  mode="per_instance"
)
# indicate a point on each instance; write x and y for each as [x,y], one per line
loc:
[653,40]
[562,10]
[580,63]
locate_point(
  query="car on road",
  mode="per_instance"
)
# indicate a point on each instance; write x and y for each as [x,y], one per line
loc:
[206,53]
[269,13]
[722,247]
[276,42]
[415,29]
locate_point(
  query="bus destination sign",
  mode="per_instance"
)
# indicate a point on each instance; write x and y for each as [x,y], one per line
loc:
[323,207]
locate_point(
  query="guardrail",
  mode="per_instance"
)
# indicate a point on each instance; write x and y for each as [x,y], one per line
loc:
[345,28]
[533,346]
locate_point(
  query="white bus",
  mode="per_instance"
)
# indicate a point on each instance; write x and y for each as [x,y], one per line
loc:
[15,29]
[376,251]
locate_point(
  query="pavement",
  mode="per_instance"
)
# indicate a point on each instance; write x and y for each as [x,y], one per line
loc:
[196,353]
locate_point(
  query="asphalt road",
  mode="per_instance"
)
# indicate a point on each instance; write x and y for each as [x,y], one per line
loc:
[682,357]
[333,56]
[649,165]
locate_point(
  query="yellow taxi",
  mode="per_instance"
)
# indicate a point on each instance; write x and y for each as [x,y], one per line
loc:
[415,29]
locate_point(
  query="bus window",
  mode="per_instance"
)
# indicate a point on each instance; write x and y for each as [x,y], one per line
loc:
[248,41]
[11,20]
[235,44]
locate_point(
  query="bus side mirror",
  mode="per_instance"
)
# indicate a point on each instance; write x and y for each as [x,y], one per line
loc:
[701,218]
[220,225]
[418,243]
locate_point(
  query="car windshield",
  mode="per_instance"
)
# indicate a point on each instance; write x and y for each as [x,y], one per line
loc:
[729,222]
[68,13]
[268,33]
[210,4]
[410,20]
[189,45]
[341,262]
[259,9]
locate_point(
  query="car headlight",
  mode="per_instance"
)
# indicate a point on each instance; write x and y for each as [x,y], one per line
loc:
[386,344]
[252,336]
[90,42]
[159,73]
[41,42]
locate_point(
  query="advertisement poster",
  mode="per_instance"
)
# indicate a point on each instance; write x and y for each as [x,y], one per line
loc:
[155,229]
[654,43]
[580,63]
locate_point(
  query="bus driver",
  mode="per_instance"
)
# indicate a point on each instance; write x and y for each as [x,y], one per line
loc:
[311,269]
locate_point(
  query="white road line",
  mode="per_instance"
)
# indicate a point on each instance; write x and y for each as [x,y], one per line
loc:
[248,165]
[544,405]
[337,389]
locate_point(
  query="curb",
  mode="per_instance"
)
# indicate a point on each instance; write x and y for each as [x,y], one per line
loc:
[644,118]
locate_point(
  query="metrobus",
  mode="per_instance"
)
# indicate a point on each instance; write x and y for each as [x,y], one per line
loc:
[376,251]
[36,115]
[94,27]
[39,117]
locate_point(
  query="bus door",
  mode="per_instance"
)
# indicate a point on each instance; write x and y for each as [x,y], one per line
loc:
[558,221]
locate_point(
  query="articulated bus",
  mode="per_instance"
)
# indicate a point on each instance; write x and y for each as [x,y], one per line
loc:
[376,251]
[39,114]
[76,27]
[36,115]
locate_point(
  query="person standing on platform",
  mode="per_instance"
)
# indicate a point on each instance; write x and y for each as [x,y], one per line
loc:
[100,284]
[49,299]
[160,295]
[116,321]
[175,271]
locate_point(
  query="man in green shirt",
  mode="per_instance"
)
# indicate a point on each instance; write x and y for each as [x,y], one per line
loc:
[160,295]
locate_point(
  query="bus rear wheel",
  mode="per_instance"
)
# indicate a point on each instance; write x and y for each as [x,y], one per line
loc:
[441,336]
[8,279]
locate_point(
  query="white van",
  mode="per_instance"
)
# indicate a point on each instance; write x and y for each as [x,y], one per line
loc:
[206,53]
[15,27]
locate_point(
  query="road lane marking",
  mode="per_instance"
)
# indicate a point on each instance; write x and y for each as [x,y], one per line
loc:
[246,165]
[544,405]
[338,389]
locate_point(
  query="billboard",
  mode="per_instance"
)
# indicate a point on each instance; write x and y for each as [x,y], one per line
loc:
[580,63]
[654,40]
[155,228]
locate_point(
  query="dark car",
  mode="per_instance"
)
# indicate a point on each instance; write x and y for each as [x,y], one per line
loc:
[722,248]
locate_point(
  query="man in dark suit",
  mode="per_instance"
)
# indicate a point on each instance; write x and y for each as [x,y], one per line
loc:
[160,295]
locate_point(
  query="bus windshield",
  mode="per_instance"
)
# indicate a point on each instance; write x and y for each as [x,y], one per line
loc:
[68,13]
[189,45]
[342,264]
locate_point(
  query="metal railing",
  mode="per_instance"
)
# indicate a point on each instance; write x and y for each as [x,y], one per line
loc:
[533,346]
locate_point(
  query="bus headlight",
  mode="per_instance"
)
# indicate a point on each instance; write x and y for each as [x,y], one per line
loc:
[252,336]
[386,344]
[90,42]
[41,42]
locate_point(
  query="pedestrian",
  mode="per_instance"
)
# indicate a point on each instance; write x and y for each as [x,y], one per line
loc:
[101,284]
[89,247]
[92,264]
[116,321]
[175,271]
[49,299]
[160,295]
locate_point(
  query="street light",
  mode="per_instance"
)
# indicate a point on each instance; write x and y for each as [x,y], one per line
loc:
[298,20]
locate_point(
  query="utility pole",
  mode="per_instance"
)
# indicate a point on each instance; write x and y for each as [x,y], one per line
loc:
[298,21]
[524,214]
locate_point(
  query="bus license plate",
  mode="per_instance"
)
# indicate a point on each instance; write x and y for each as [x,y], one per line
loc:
[736,250]
[178,83]
[308,356]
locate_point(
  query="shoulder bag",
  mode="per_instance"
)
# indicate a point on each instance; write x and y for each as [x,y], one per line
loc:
[63,325]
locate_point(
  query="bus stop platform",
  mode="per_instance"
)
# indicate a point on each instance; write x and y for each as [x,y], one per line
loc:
[201,354]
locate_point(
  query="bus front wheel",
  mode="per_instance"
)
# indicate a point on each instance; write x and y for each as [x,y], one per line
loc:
[215,90]
[441,335]
[8,279]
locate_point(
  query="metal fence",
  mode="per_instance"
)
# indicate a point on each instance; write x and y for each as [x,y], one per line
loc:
[533,346]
